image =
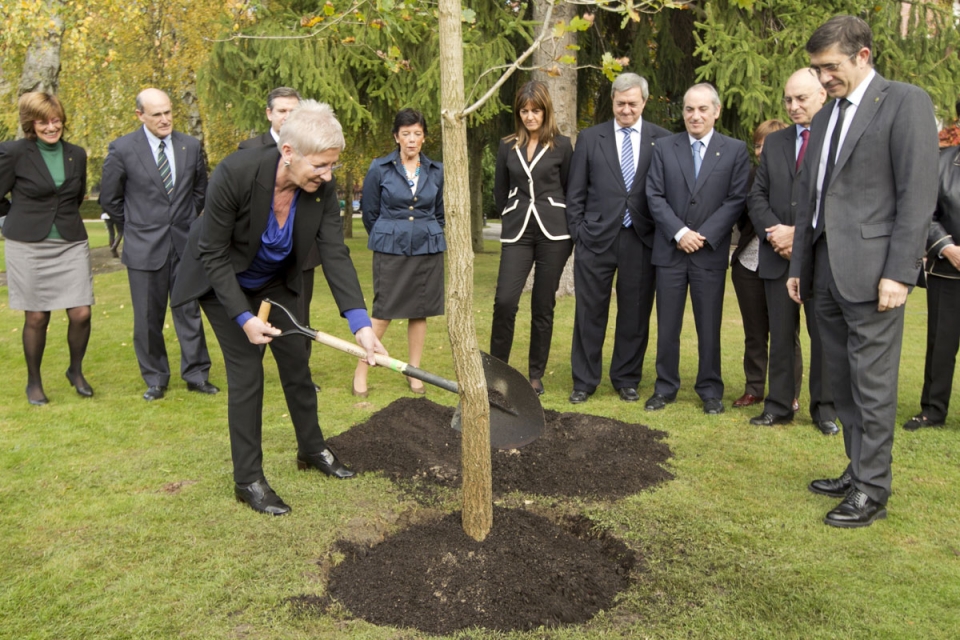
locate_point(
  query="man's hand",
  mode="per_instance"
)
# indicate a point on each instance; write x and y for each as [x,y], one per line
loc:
[793,289]
[691,241]
[893,294]
[780,237]
[952,253]
[367,339]
[259,332]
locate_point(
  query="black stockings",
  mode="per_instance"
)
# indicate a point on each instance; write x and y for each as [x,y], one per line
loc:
[35,340]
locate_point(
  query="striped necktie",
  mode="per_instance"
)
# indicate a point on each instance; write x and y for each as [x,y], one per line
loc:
[626,166]
[164,165]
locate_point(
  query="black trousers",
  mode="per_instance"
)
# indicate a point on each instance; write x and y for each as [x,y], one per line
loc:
[516,260]
[303,305]
[149,295]
[706,294]
[943,340]
[752,301]
[244,365]
[630,260]
[786,358]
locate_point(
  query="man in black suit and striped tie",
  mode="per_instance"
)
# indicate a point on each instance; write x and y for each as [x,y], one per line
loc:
[153,186]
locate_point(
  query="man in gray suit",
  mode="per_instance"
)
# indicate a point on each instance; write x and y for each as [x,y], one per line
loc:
[872,157]
[778,192]
[696,188]
[153,186]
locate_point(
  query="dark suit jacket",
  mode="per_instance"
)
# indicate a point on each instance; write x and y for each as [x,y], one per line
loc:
[36,202]
[881,195]
[945,228]
[224,241]
[778,192]
[266,140]
[132,192]
[596,195]
[535,190]
[263,140]
[709,204]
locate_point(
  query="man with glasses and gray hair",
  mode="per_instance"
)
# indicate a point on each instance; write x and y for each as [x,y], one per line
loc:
[858,248]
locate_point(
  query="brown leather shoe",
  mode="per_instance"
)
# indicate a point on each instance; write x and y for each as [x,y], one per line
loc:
[746,400]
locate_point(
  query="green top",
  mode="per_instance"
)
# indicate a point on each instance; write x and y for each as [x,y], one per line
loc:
[52,155]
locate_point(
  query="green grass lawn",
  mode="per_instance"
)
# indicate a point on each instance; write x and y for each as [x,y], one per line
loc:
[117,517]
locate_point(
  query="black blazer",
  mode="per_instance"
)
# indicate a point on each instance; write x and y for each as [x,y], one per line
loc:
[536,189]
[225,239]
[596,195]
[263,140]
[778,195]
[708,204]
[945,228]
[36,202]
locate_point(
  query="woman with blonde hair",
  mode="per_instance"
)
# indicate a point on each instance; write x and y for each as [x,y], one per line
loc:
[47,252]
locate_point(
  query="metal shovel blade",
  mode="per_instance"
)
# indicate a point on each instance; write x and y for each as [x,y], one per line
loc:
[516,415]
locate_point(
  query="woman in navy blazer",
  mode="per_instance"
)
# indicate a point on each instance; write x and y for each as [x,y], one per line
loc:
[529,189]
[47,253]
[403,213]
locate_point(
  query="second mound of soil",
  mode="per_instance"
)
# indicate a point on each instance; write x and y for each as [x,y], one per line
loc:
[577,455]
[527,573]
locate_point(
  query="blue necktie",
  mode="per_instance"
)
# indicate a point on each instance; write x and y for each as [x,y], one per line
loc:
[626,166]
[697,160]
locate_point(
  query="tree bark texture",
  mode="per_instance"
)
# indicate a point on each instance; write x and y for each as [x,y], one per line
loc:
[41,65]
[477,514]
[475,143]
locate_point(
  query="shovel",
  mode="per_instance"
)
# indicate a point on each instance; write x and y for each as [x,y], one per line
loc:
[516,416]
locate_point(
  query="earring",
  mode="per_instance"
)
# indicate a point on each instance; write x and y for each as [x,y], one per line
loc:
[286,163]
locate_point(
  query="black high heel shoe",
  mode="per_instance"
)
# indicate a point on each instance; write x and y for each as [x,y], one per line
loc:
[537,386]
[81,386]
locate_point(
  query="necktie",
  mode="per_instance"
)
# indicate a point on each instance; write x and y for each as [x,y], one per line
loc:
[626,166]
[831,158]
[805,134]
[164,165]
[697,160]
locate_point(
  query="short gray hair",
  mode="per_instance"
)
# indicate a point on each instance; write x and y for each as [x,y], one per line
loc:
[627,81]
[714,96]
[312,128]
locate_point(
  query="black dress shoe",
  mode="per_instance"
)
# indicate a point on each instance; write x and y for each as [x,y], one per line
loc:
[920,421]
[537,385]
[658,401]
[629,394]
[769,420]
[261,498]
[153,393]
[713,406]
[857,510]
[324,461]
[81,385]
[578,396]
[828,427]
[833,487]
[203,387]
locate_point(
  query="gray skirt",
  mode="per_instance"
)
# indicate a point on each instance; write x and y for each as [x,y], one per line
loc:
[407,286]
[48,275]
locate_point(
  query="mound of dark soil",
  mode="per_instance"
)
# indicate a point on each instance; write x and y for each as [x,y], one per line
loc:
[527,573]
[577,455]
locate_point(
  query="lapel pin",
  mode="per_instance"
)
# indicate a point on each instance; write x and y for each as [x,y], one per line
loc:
[318,199]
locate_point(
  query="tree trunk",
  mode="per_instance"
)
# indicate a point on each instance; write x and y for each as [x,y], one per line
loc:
[561,80]
[477,517]
[193,120]
[41,65]
[475,144]
[348,205]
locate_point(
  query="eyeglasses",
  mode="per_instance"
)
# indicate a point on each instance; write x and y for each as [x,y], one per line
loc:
[56,122]
[830,68]
[323,167]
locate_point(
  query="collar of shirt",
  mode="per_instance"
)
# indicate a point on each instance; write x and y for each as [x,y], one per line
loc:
[857,94]
[705,140]
[275,135]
